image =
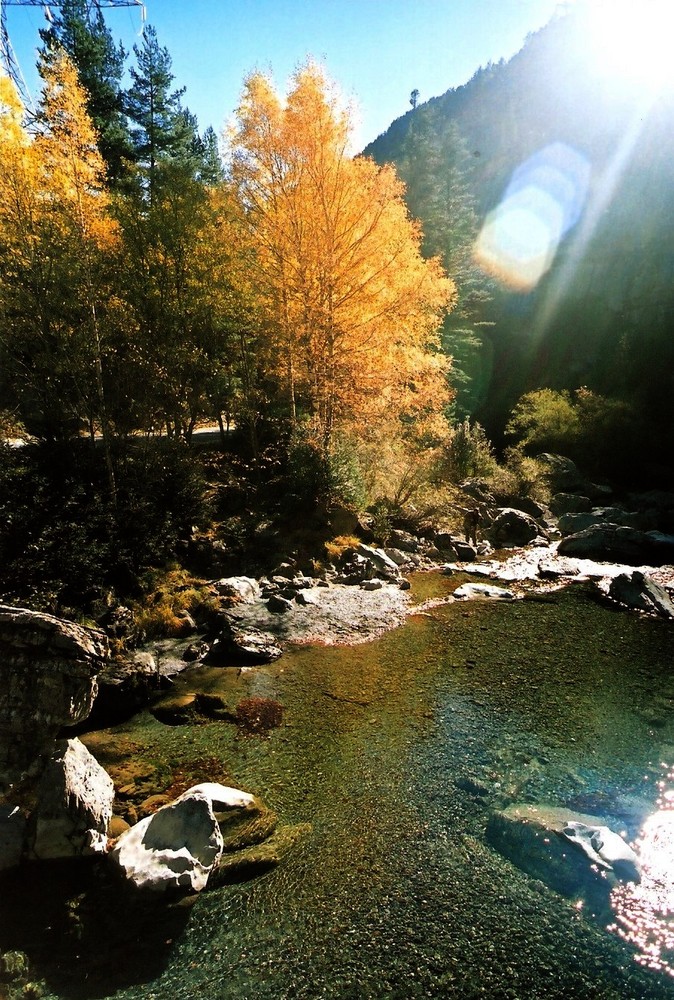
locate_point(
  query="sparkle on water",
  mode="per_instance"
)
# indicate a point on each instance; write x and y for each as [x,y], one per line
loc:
[644,912]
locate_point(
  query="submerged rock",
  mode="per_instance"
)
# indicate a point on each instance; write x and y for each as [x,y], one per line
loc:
[550,844]
[604,848]
[472,591]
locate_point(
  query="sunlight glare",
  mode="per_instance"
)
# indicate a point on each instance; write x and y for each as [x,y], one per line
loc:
[645,912]
[632,41]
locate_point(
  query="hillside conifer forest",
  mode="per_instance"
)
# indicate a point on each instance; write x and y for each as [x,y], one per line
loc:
[347,322]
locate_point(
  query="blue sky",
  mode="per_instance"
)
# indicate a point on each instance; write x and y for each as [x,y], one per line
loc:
[378,51]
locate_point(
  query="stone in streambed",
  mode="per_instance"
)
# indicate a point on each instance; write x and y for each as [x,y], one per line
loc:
[75,797]
[475,591]
[180,846]
[638,591]
[173,849]
[541,841]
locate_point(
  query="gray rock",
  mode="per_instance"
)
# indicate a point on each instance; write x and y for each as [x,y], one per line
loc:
[74,804]
[404,540]
[379,560]
[285,569]
[246,643]
[465,552]
[372,585]
[242,588]
[445,542]
[562,474]
[552,567]
[48,670]
[174,849]
[473,591]
[279,605]
[125,685]
[196,651]
[571,523]
[513,527]
[611,543]
[306,598]
[640,592]
[398,556]
[569,503]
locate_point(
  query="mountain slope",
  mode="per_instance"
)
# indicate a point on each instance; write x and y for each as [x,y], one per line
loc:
[601,315]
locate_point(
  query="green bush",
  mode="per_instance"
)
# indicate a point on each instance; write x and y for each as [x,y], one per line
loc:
[64,544]
[605,436]
[326,476]
[468,453]
[545,420]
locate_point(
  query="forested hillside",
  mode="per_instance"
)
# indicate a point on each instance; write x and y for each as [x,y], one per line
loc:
[601,315]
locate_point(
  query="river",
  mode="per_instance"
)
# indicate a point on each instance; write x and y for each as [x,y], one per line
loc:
[396,752]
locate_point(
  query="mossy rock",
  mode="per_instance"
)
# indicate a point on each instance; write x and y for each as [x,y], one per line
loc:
[176,710]
[242,828]
[257,858]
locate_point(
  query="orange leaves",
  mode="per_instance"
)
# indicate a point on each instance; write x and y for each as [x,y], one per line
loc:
[352,306]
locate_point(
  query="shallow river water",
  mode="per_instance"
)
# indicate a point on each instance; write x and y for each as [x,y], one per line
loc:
[396,752]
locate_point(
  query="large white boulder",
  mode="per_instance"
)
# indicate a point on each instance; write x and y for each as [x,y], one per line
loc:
[179,846]
[74,808]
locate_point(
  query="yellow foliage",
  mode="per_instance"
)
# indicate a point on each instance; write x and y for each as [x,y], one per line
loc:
[336,546]
[352,307]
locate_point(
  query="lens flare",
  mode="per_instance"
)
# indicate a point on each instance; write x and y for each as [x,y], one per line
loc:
[543,200]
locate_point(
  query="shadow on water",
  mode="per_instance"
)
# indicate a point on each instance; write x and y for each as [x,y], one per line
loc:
[82,930]
[398,752]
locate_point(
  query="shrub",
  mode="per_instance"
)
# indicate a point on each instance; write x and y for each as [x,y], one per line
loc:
[468,453]
[316,475]
[336,547]
[545,420]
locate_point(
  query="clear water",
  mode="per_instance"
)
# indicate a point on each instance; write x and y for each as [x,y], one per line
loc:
[396,752]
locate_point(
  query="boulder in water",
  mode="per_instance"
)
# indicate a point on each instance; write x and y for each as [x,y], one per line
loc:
[174,849]
[604,848]
[638,591]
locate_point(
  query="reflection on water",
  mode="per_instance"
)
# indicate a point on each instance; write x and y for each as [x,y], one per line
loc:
[645,912]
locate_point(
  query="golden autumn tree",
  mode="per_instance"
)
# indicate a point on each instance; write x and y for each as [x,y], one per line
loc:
[351,307]
[57,236]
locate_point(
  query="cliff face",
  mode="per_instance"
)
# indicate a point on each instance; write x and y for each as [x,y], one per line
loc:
[48,671]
